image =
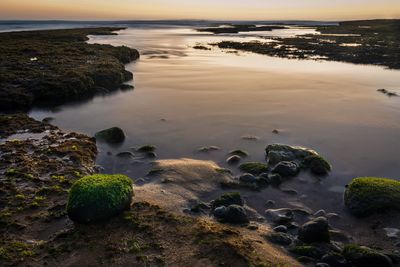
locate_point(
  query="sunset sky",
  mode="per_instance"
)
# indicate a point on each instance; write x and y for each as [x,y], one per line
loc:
[199,9]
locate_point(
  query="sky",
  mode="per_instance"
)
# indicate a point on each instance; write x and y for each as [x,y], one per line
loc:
[199,9]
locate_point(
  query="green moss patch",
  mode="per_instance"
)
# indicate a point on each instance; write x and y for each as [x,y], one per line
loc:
[255,168]
[317,164]
[228,199]
[367,195]
[361,256]
[98,197]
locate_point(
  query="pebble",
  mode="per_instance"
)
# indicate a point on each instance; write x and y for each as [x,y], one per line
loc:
[270,203]
[392,232]
[280,229]
[320,213]
[247,178]
[233,159]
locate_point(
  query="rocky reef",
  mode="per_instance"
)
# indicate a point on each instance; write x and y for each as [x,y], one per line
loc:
[373,42]
[55,66]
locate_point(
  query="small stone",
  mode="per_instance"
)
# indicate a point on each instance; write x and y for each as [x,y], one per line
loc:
[275,131]
[322,264]
[316,230]
[280,216]
[276,179]
[233,160]
[320,213]
[247,178]
[112,135]
[125,154]
[279,238]
[151,155]
[220,212]
[335,260]
[392,232]
[270,203]
[146,149]
[286,168]
[281,229]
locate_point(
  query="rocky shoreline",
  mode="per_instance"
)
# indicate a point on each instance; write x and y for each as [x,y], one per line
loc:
[51,67]
[374,42]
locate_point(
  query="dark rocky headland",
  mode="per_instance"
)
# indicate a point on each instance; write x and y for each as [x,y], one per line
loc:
[55,66]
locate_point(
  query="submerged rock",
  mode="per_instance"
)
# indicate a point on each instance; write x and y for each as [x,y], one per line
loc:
[276,153]
[286,169]
[317,164]
[335,260]
[303,157]
[233,160]
[125,154]
[254,168]
[279,216]
[247,178]
[112,135]
[364,196]
[207,149]
[239,152]
[146,149]
[316,230]
[361,256]
[98,197]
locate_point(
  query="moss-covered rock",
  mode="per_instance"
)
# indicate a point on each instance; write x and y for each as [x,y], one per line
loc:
[98,197]
[254,168]
[367,195]
[317,164]
[239,152]
[361,256]
[228,199]
[112,135]
[307,251]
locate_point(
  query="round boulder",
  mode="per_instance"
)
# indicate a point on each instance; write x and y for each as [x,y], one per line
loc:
[316,230]
[112,135]
[286,169]
[99,197]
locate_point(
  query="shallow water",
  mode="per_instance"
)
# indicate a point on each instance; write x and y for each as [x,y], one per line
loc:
[186,98]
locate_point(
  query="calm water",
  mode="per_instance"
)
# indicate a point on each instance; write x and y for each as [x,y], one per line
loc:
[186,98]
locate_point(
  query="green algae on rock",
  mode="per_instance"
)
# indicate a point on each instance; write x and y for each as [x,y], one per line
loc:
[112,135]
[317,164]
[65,67]
[98,197]
[254,168]
[361,256]
[367,195]
[228,199]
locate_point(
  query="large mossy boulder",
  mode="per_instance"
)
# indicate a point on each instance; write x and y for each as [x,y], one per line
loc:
[366,195]
[112,135]
[99,197]
[361,256]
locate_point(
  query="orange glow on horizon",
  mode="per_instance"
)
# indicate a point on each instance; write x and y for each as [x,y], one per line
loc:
[207,9]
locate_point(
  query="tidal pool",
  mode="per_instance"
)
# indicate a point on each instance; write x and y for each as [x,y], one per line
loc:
[186,98]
